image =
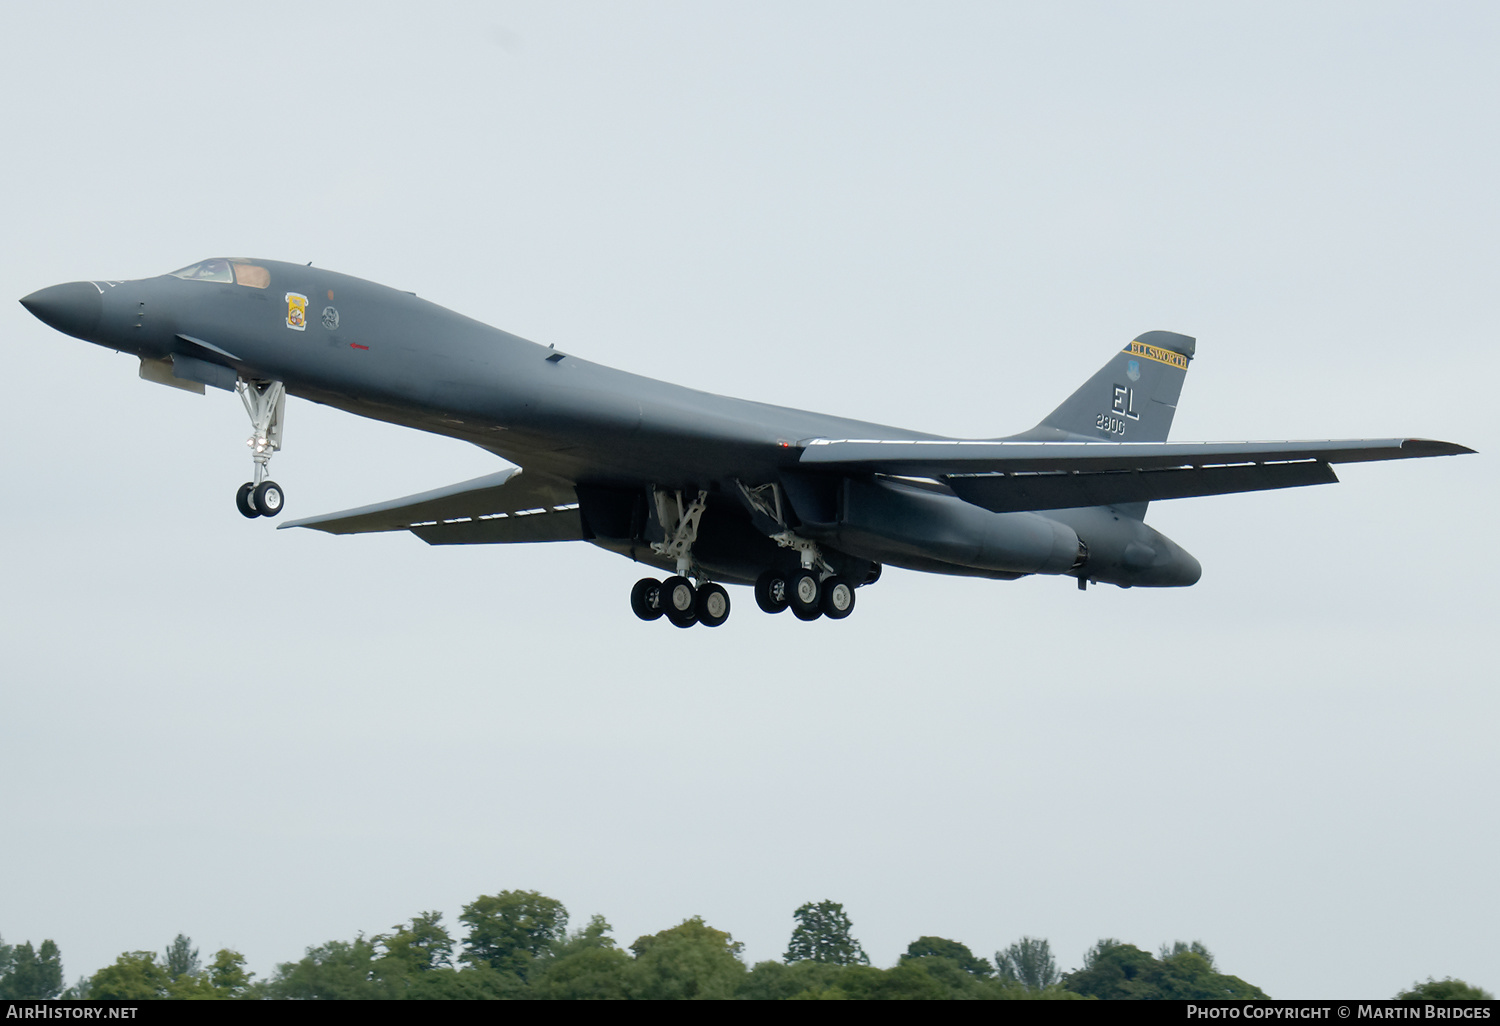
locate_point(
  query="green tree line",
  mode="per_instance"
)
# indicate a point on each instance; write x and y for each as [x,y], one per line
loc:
[516,944]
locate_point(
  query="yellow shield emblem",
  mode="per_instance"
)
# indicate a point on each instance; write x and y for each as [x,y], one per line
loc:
[296,311]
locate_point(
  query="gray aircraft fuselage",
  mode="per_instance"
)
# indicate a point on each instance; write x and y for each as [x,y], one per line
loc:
[389,355]
[396,357]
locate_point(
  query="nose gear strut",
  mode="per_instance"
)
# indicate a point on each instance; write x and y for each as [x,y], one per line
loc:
[265,402]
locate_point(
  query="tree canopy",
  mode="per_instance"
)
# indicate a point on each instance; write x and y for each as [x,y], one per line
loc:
[824,934]
[1113,971]
[517,946]
[182,958]
[28,974]
[691,960]
[1028,962]
[952,951]
[510,930]
[1446,989]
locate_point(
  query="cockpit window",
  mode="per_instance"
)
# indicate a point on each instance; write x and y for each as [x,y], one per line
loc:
[253,275]
[219,269]
[206,270]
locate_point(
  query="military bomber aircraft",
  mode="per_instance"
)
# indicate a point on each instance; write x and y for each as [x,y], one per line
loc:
[708,489]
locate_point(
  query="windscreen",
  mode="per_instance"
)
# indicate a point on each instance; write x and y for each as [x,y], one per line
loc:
[252,275]
[218,269]
[206,270]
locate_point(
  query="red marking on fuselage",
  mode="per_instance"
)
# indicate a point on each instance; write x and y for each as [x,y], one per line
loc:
[356,345]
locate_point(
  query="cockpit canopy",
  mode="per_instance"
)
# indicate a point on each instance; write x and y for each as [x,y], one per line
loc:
[219,269]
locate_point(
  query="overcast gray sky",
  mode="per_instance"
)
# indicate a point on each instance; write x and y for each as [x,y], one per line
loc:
[944,216]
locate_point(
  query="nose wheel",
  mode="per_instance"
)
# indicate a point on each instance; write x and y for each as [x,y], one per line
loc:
[259,500]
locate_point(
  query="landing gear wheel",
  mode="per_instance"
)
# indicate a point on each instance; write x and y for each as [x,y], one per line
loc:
[803,590]
[645,598]
[243,500]
[838,598]
[713,605]
[268,498]
[771,592]
[806,614]
[679,600]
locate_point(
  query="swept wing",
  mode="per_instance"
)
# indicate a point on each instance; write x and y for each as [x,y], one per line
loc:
[510,506]
[1010,476]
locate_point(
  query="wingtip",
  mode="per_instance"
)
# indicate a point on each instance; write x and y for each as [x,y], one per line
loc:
[1433,447]
[304,522]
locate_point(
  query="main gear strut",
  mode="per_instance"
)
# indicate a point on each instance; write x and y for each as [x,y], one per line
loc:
[676,598]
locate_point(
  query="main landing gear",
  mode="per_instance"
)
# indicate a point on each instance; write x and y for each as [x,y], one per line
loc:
[265,401]
[811,592]
[682,604]
[677,598]
[805,593]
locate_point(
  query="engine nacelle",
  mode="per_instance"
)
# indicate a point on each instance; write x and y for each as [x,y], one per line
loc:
[1122,550]
[905,524]
[927,528]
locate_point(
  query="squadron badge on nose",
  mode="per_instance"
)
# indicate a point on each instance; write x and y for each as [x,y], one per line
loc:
[296,311]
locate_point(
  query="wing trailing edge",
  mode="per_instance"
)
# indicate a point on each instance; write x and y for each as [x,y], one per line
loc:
[1011,493]
[1011,476]
[511,506]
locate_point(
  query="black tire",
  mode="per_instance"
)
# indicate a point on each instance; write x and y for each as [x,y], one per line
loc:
[806,614]
[269,498]
[245,501]
[838,598]
[804,591]
[712,605]
[679,601]
[771,592]
[645,598]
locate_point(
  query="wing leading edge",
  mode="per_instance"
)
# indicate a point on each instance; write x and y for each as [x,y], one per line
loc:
[510,506]
[1014,476]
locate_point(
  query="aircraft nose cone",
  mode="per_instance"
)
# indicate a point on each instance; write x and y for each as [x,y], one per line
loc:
[73,308]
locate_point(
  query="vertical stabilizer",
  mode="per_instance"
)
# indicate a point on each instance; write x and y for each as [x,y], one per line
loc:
[1131,399]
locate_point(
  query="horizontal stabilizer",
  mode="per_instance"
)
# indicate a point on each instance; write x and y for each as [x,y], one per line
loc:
[1011,493]
[486,509]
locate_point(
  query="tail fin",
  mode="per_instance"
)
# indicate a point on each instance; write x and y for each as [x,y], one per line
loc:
[1131,399]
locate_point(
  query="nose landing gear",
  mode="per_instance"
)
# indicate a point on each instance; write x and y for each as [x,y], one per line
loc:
[265,402]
